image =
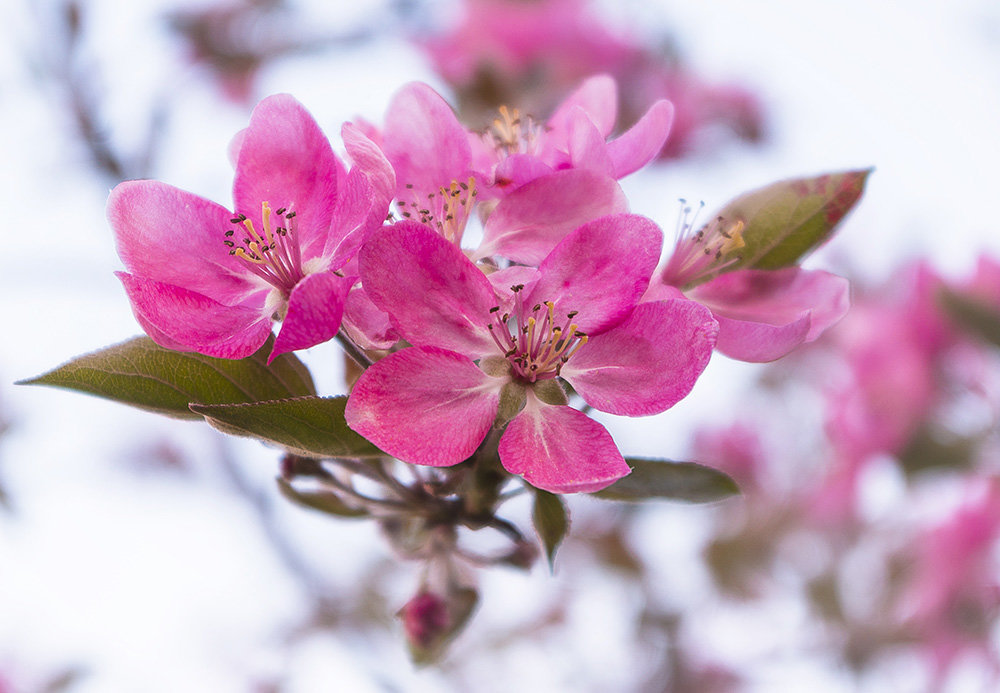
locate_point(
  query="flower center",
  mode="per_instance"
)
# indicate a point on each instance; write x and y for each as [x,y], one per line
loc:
[512,134]
[703,254]
[446,211]
[273,255]
[531,340]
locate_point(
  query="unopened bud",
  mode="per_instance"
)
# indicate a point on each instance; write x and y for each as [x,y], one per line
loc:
[425,620]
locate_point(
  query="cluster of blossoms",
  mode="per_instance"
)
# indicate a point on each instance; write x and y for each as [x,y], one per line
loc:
[565,298]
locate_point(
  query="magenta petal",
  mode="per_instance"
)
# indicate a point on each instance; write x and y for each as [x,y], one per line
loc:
[193,322]
[586,146]
[649,362]
[598,97]
[287,161]
[367,325]
[765,314]
[434,295]
[371,163]
[600,270]
[528,223]
[424,141]
[424,405]
[175,237]
[559,449]
[315,308]
[643,141]
[515,171]
[358,211]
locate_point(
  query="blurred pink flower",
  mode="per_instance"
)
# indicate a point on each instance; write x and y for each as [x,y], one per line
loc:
[532,53]
[953,594]
[201,278]
[481,342]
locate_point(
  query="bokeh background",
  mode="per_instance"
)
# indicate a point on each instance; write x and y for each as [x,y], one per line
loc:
[139,553]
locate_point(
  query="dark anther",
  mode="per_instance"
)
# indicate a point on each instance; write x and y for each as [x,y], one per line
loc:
[290,215]
[229,233]
[572,314]
[494,309]
[229,244]
[517,287]
[538,306]
[409,186]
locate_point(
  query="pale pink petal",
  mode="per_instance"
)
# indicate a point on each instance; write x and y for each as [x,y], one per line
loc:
[503,280]
[424,141]
[765,314]
[369,160]
[367,325]
[641,143]
[559,449]
[235,145]
[528,223]
[433,294]
[194,322]
[600,270]
[175,237]
[598,97]
[759,342]
[648,363]
[424,405]
[315,308]
[515,171]
[358,211]
[586,145]
[287,161]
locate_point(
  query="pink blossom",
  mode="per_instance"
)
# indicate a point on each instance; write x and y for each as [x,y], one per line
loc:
[762,315]
[425,619]
[202,278]
[953,594]
[516,149]
[479,342]
[437,182]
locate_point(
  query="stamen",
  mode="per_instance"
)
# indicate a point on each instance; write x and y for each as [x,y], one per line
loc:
[273,255]
[533,344]
[703,254]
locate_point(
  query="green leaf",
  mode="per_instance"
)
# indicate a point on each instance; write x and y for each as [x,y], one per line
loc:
[142,374]
[976,316]
[307,426]
[551,522]
[785,220]
[323,501]
[685,481]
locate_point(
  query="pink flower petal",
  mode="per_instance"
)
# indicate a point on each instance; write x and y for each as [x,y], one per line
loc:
[194,322]
[423,139]
[765,314]
[371,162]
[586,146]
[559,449]
[315,308]
[648,363]
[598,97]
[358,210]
[528,223]
[424,405]
[367,325]
[643,141]
[600,270]
[286,160]
[174,237]
[515,171]
[433,294]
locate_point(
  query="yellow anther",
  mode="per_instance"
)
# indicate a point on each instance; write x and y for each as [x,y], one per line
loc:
[734,238]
